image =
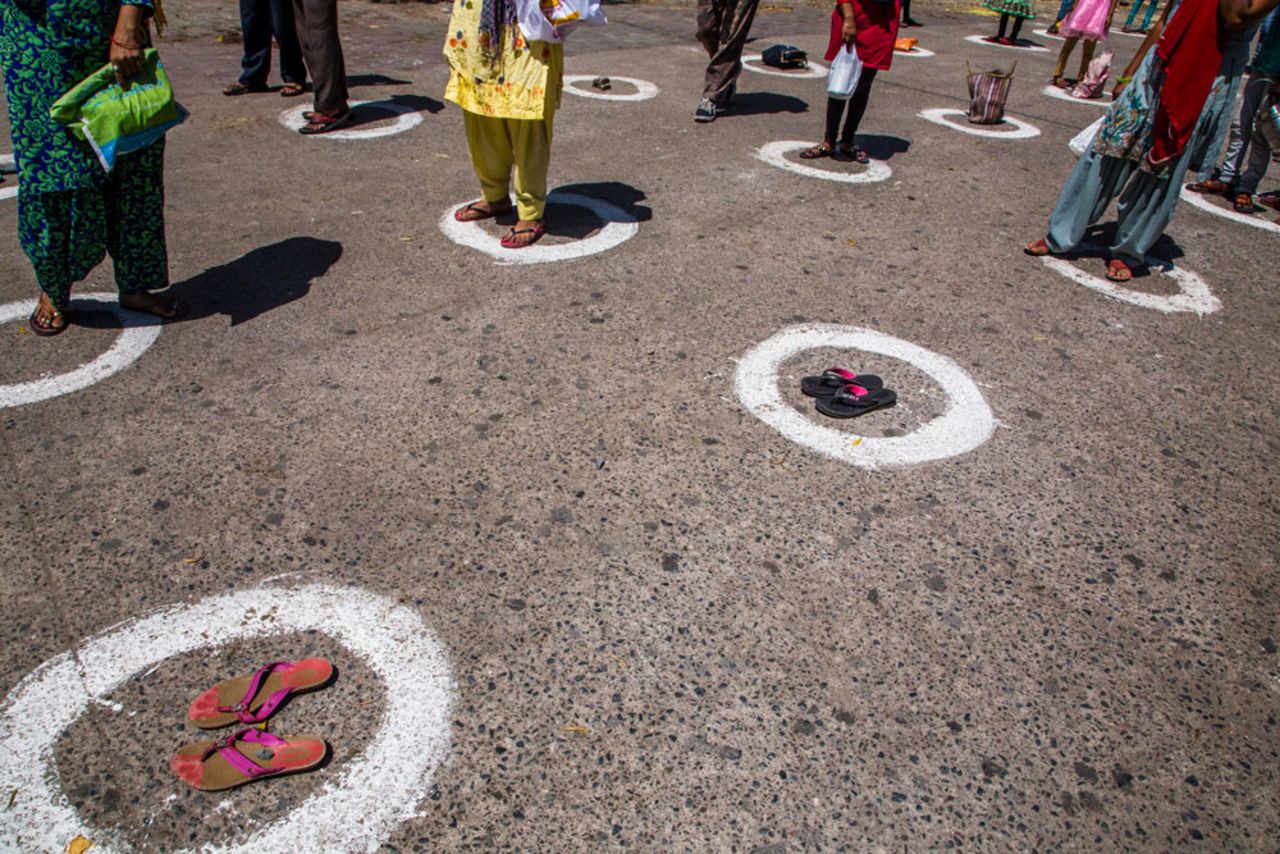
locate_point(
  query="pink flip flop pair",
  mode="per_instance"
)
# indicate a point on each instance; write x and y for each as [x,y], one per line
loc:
[251,753]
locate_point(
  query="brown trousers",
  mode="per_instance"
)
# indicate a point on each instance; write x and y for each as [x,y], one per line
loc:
[723,29]
[317,24]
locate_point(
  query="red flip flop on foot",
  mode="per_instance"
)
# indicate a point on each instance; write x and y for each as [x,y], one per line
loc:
[513,241]
[323,123]
[1119,271]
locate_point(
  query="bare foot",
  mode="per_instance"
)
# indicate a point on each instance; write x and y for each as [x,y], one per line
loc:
[1038,248]
[156,304]
[47,319]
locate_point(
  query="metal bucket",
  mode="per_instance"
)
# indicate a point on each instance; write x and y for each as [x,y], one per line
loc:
[1268,125]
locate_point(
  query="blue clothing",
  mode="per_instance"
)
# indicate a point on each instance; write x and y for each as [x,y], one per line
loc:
[1152,5]
[259,20]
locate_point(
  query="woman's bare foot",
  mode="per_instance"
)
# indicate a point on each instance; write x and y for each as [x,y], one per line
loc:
[47,319]
[1119,271]
[156,304]
[1038,248]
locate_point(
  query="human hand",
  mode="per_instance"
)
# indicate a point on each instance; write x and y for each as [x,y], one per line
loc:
[127,43]
[847,32]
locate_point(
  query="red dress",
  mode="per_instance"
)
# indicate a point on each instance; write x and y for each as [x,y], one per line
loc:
[877,25]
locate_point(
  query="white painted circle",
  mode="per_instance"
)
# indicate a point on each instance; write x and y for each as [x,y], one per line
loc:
[1256,220]
[1021,129]
[619,227]
[644,89]
[915,51]
[1193,296]
[355,811]
[814,71]
[1064,95]
[1027,49]
[139,331]
[773,154]
[966,423]
[406,118]
[1048,35]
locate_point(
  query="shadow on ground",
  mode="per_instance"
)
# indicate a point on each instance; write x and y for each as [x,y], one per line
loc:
[765,103]
[574,223]
[882,147]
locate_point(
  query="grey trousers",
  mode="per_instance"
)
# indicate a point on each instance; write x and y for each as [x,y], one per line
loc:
[317,24]
[1244,142]
[723,29]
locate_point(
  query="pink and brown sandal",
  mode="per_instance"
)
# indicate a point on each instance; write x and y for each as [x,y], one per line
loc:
[252,699]
[245,756]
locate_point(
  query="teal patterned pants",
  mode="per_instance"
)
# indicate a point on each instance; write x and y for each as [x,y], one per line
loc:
[69,233]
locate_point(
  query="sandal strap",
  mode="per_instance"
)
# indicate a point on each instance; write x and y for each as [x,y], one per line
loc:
[851,394]
[227,749]
[241,709]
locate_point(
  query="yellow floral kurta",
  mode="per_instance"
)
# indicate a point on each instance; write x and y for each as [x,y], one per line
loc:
[524,84]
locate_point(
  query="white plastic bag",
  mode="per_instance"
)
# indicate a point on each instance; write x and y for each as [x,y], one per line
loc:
[846,68]
[553,20]
[1081,142]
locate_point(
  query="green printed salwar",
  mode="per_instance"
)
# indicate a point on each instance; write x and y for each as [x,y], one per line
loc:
[70,212]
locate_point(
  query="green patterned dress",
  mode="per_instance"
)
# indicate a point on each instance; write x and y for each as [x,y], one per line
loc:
[1016,8]
[70,213]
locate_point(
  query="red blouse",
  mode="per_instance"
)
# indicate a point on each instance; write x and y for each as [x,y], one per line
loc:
[877,30]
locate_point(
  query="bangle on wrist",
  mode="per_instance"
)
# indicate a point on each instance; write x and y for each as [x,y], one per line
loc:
[125,44]
[1124,79]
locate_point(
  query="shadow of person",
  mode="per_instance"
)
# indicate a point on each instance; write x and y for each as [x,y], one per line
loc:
[574,219]
[881,146]
[389,108]
[258,281]
[765,103]
[1097,238]
[374,80]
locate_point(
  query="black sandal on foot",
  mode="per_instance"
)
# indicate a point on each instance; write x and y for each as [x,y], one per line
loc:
[822,149]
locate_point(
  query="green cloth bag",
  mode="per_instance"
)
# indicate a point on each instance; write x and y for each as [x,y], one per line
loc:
[114,120]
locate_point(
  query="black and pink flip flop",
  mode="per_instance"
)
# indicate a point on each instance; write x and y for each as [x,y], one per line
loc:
[854,400]
[832,380]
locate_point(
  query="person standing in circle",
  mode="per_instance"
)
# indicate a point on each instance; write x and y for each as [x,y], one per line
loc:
[1017,11]
[869,27]
[259,21]
[723,29]
[509,90]
[71,214]
[317,25]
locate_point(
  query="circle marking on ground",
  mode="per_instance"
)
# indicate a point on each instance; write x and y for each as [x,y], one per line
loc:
[915,51]
[966,423]
[139,332]
[355,810]
[1048,35]
[8,190]
[644,89]
[1022,130]
[1199,201]
[773,154]
[1031,48]
[812,71]
[406,118]
[1193,293]
[619,227]
[1063,95]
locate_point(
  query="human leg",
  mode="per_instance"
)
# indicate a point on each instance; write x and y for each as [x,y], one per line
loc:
[1092,185]
[735,21]
[1064,53]
[134,201]
[708,35]
[531,143]
[1017,28]
[835,110]
[1004,25]
[492,156]
[1086,55]
[1255,167]
[64,236]
[1151,13]
[857,107]
[1134,8]
[292,68]
[317,26]
[1255,91]
[255,31]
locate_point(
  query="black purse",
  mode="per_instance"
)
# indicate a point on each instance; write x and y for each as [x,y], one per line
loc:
[785,56]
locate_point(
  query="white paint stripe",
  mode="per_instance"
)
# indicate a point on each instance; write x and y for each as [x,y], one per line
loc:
[619,227]
[1048,35]
[1027,49]
[1022,129]
[9,189]
[915,51]
[966,423]
[773,154]
[8,162]
[815,70]
[1064,95]
[644,89]
[406,118]
[1193,296]
[1197,200]
[139,331]
[361,801]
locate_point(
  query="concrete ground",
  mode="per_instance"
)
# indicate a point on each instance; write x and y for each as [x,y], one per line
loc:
[665,625]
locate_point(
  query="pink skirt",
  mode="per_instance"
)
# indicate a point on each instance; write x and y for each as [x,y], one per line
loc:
[1088,20]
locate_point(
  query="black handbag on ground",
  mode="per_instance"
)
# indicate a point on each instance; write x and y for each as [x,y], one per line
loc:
[785,56]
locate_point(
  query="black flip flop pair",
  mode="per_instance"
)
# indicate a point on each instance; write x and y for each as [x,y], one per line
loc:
[841,393]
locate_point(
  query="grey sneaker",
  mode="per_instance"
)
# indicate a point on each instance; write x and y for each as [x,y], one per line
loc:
[706,111]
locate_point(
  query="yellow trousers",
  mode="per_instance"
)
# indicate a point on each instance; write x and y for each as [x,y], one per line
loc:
[497,145]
